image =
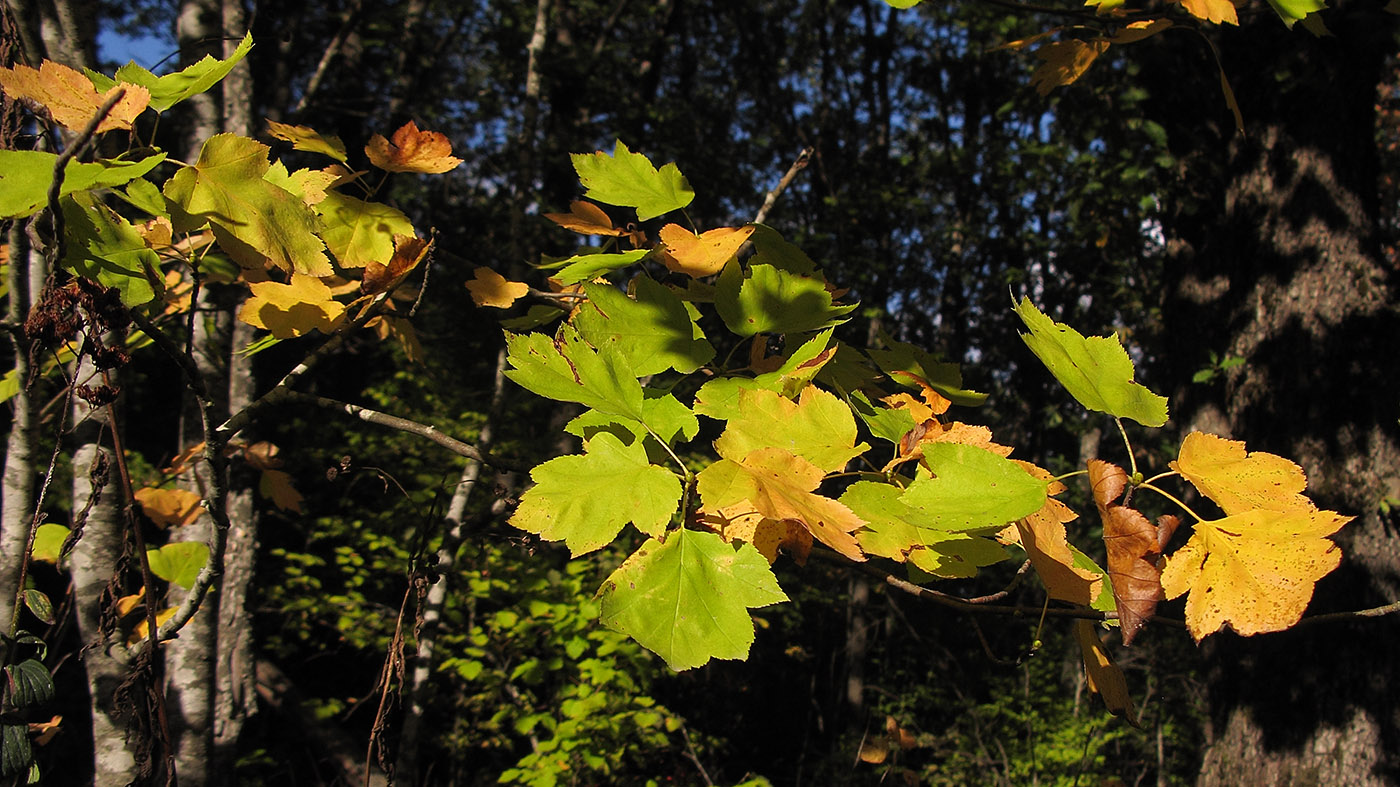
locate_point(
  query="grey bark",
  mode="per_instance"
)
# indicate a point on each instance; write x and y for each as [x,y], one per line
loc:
[17,507]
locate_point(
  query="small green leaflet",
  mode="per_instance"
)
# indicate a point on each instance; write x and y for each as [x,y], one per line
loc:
[629,179]
[105,247]
[662,413]
[886,423]
[943,377]
[570,371]
[585,500]
[774,301]
[972,488]
[687,600]
[171,89]
[359,232]
[654,332]
[1290,11]
[893,530]
[25,177]
[818,428]
[226,187]
[1096,371]
[586,267]
[719,398]
[179,562]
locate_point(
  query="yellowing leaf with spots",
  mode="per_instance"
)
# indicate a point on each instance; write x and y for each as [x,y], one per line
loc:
[701,255]
[70,97]
[1240,481]
[293,309]
[490,288]
[412,150]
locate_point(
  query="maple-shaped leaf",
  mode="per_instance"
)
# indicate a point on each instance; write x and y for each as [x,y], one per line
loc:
[1216,11]
[27,175]
[1103,676]
[569,370]
[817,427]
[408,252]
[1240,481]
[168,90]
[886,422]
[770,300]
[169,507]
[412,150]
[359,232]
[585,500]
[179,562]
[663,416]
[1132,546]
[1253,571]
[1056,562]
[629,179]
[490,288]
[1096,371]
[688,599]
[308,139]
[780,486]
[719,397]
[652,329]
[1063,62]
[701,255]
[298,307]
[740,522]
[70,97]
[587,267]
[900,532]
[771,248]
[276,485]
[106,248]
[226,187]
[585,218]
[972,489]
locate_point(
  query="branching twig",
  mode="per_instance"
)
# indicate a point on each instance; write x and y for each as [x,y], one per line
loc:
[769,201]
[60,168]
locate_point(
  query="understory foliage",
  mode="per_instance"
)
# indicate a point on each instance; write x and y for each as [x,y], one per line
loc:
[732,432]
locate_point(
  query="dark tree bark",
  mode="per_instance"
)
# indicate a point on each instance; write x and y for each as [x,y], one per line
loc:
[1279,262]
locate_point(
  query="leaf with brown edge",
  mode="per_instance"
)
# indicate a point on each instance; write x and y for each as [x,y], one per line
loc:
[701,255]
[1043,536]
[408,252]
[1104,676]
[1065,61]
[585,218]
[412,150]
[1133,550]
[740,522]
[70,97]
[169,507]
[490,288]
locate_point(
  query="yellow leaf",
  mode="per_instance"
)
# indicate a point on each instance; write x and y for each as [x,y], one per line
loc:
[293,309]
[701,255]
[127,604]
[1253,571]
[69,96]
[1065,61]
[308,139]
[169,507]
[1238,481]
[490,288]
[45,731]
[1043,537]
[1137,31]
[139,633]
[585,218]
[740,522]
[411,150]
[1216,11]
[1102,674]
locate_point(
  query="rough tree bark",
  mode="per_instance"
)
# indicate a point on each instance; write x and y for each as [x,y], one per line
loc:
[1280,264]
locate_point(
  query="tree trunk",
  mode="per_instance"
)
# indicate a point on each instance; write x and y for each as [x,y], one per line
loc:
[1281,265]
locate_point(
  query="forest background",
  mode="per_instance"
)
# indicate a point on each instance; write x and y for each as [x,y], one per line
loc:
[1250,271]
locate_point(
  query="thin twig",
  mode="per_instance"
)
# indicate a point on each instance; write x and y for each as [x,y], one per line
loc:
[769,201]
[60,169]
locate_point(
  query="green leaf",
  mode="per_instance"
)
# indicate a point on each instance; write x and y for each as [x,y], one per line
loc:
[771,300]
[972,488]
[29,683]
[586,267]
[179,562]
[25,177]
[15,753]
[719,398]
[48,541]
[145,195]
[571,371]
[687,600]
[1096,371]
[771,249]
[886,423]
[661,412]
[818,427]
[1290,11]
[107,249]
[585,500]
[893,530]
[39,605]
[226,187]
[654,332]
[359,232]
[171,89]
[945,378]
[629,179]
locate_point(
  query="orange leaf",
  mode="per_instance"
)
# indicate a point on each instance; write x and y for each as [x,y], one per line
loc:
[1047,545]
[70,97]
[408,252]
[293,309]
[262,455]
[44,731]
[701,255]
[740,522]
[1065,61]
[277,486]
[169,507]
[490,288]
[411,150]
[1216,11]
[1137,31]
[585,218]
[181,461]
[1133,551]
[1102,674]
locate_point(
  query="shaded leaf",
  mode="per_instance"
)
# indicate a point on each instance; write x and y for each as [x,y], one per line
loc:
[302,305]
[586,267]
[1063,62]
[359,232]
[106,248]
[652,330]
[1043,536]
[490,288]
[900,532]
[308,139]
[26,175]
[169,507]
[585,218]
[771,300]
[179,562]
[1133,551]
[408,253]
[1104,677]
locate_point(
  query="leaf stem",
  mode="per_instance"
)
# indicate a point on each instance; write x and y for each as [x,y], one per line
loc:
[1062,478]
[1173,498]
[1132,460]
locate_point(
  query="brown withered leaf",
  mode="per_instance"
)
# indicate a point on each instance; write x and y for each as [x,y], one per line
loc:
[412,150]
[1134,555]
[1043,536]
[1103,676]
[408,252]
